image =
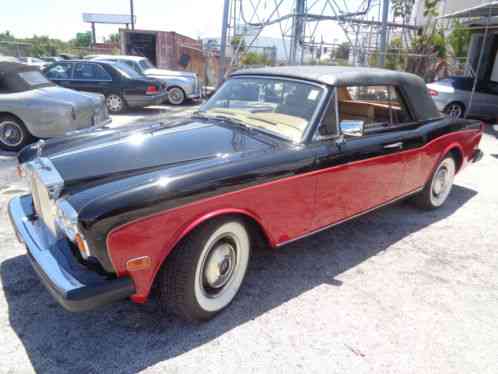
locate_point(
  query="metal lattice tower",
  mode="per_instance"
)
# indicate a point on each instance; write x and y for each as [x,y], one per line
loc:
[364,23]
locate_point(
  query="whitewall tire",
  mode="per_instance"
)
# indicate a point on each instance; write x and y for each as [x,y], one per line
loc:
[438,188]
[204,273]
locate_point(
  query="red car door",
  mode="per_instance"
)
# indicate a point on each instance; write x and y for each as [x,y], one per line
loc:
[357,175]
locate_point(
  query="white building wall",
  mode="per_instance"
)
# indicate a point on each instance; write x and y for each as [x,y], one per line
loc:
[445,7]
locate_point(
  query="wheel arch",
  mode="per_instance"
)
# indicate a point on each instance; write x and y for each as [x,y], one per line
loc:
[254,222]
[15,116]
[259,234]
[456,151]
[23,123]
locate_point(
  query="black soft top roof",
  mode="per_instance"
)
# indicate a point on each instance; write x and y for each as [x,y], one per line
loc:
[12,81]
[412,85]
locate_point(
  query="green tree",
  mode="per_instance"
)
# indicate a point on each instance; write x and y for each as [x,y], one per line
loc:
[254,58]
[402,8]
[6,36]
[83,39]
[395,58]
[342,51]
[113,38]
[428,43]
[459,39]
[239,43]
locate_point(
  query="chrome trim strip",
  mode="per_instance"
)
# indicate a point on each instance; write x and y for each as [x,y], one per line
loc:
[36,239]
[350,218]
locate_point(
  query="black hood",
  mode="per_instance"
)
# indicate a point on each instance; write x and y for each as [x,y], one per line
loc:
[111,154]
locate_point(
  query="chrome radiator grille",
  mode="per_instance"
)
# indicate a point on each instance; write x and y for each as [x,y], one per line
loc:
[46,185]
[44,205]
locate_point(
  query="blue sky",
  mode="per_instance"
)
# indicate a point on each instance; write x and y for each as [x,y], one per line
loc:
[62,18]
[196,18]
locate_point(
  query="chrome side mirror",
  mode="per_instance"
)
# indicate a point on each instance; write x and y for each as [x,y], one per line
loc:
[352,127]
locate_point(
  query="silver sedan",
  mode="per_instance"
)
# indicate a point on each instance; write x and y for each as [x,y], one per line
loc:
[452,96]
[32,107]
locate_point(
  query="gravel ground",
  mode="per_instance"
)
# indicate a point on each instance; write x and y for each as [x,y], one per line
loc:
[395,291]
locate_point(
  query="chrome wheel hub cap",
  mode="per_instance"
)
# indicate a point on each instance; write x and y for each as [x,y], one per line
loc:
[441,182]
[114,103]
[175,96]
[10,133]
[454,111]
[219,266]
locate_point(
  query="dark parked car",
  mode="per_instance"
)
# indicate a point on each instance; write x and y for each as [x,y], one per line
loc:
[452,96]
[185,203]
[122,86]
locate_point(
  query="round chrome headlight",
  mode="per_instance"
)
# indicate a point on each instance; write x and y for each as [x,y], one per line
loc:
[67,219]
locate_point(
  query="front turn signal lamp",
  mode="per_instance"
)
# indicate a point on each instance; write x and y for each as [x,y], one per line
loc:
[82,246]
[138,263]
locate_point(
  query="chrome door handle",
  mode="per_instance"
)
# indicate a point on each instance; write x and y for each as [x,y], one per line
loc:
[394,145]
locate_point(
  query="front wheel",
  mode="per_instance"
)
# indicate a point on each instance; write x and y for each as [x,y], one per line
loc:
[455,110]
[13,134]
[437,190]
[204,273]
[176,96]
[115,103]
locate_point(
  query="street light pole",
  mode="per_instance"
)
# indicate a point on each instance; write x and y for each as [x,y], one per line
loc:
[132,12]
[223,42]
[383,33]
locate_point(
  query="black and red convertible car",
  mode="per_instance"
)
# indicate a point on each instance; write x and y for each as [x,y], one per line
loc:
[275,155]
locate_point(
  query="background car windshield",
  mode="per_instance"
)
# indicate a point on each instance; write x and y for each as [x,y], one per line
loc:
[127,71]
[146,64]
[34,78]
[281,106]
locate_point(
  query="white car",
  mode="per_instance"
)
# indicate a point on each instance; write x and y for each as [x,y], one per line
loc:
[33,61]
[182,85]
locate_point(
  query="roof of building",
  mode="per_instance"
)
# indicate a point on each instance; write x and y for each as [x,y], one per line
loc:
[412,85]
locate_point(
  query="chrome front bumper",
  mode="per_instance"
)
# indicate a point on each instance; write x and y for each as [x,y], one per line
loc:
[73,285]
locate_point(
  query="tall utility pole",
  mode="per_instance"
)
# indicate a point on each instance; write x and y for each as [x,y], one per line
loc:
[383,33]
[132,13]
[297,30]
[223,42]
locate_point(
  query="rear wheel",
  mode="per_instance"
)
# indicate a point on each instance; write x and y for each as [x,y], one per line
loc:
[13,133]
[115,103]
[176,96]
[455,110]
[437,190]
[204,273]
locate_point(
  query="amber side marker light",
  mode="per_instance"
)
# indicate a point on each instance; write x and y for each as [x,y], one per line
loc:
[139,263]
[20,171]
[81,246]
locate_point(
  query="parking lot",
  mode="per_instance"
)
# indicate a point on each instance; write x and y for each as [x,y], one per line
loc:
[395,291]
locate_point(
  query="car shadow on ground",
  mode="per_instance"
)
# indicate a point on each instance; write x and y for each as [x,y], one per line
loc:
[124,337]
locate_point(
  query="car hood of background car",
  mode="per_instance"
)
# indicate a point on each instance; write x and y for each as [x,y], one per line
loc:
[169,73]
[114,154]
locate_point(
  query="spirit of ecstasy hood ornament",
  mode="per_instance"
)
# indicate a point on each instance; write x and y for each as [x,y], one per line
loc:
[39,147]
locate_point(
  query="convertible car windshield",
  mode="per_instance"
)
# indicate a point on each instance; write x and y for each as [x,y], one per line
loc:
[282,107]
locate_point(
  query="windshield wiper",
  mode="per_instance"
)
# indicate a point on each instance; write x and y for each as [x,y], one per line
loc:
[221,117]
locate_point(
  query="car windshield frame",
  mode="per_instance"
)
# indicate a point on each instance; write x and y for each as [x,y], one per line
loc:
[219,112]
